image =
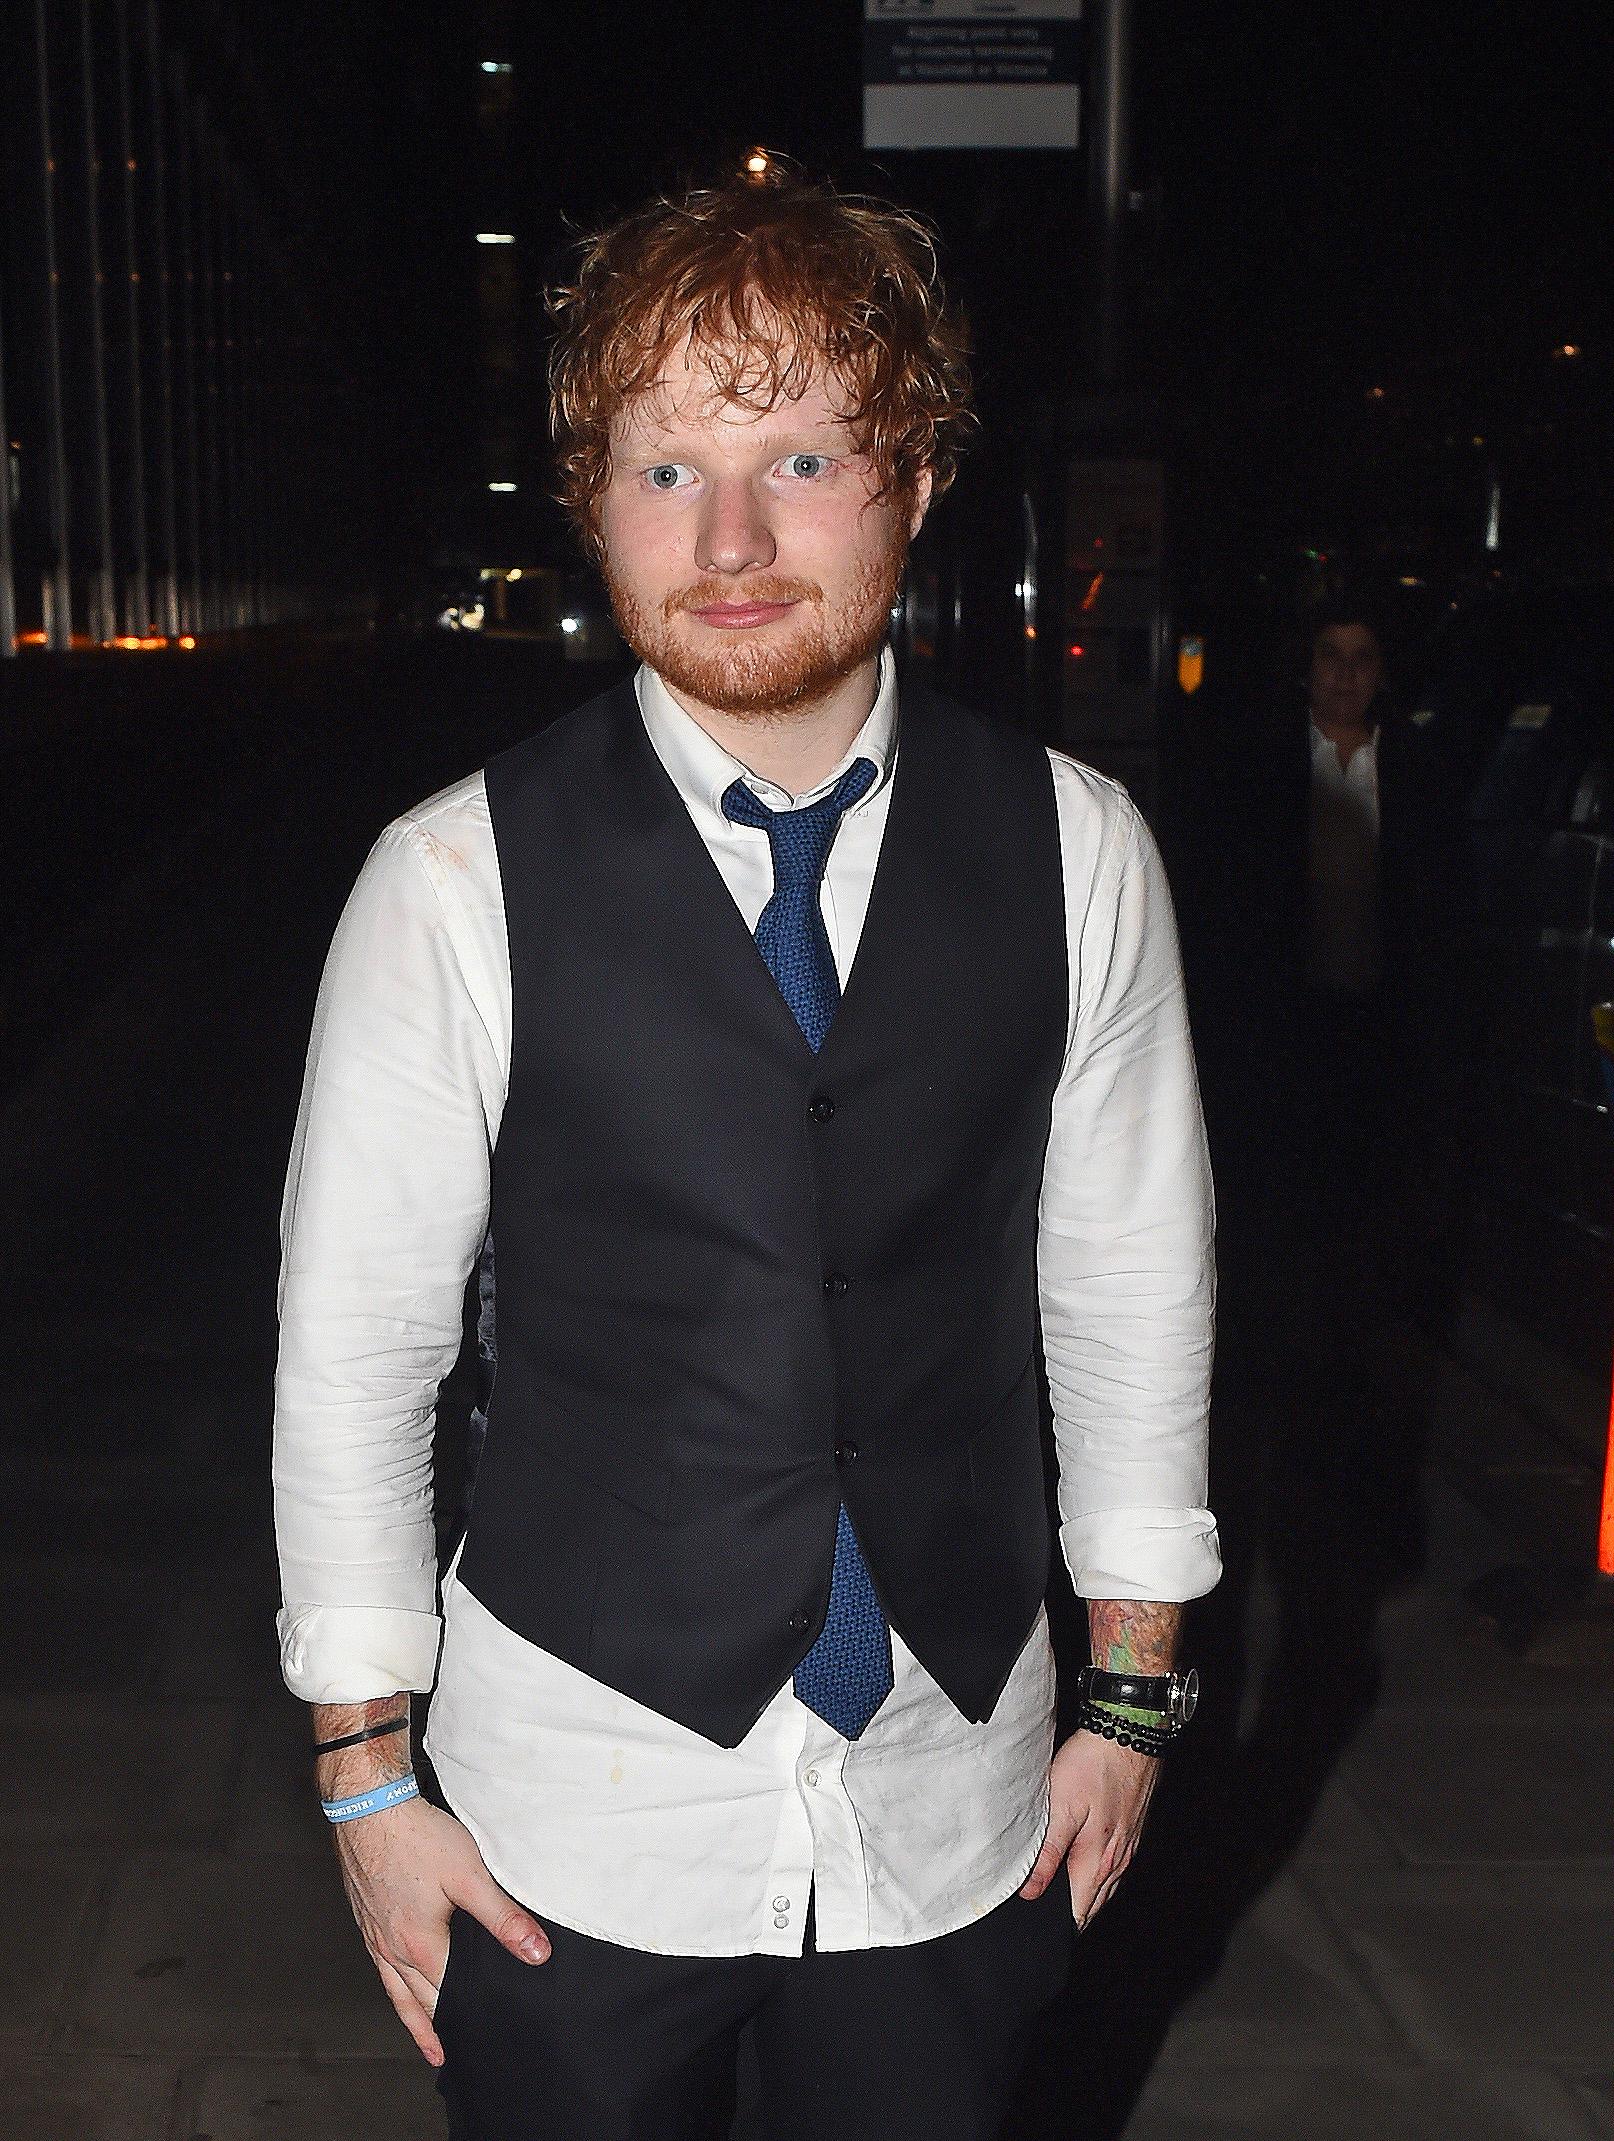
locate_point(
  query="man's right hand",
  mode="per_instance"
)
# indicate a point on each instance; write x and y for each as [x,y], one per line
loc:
[406,1872]
[408,1869]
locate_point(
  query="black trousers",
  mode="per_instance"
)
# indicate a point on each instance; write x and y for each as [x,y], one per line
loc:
[603,2043]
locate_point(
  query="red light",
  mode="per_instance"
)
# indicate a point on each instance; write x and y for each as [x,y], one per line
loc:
[1078,652]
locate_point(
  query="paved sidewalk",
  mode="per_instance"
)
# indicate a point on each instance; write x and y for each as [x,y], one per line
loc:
[1435,1958]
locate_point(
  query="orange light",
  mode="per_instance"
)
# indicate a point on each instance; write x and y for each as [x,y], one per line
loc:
[1606,1519]
[1190,663]
[1091,596]
[1031,631]
[1603,1034]
[187,640]
[30,639]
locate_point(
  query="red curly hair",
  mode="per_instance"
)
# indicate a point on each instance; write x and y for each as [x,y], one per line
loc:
[772,279]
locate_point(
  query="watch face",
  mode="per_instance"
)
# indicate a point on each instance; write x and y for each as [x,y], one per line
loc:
[1184,1696]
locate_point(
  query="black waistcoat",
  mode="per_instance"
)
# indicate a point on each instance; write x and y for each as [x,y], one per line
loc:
[739,1283]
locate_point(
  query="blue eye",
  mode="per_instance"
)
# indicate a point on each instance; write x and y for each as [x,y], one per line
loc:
[664,476]
[808,465]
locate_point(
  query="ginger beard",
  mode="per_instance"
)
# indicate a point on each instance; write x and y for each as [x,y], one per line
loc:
[778,668]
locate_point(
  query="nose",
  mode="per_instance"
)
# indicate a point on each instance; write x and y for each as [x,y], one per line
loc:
[734,532]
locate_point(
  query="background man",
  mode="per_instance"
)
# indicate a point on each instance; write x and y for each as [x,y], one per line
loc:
[798,1035]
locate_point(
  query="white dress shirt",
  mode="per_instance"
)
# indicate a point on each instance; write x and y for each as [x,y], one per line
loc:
[1344,867]
[589,1807]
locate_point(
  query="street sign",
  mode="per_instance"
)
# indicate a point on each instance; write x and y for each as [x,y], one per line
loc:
[971,74]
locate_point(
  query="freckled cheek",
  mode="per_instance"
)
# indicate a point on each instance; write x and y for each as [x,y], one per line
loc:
[649,551]
[827,540]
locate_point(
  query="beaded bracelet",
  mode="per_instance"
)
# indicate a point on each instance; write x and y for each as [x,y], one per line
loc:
[372,1802]
[1142,1739]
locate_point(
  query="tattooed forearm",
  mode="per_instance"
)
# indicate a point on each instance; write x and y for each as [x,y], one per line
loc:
[1132,1635]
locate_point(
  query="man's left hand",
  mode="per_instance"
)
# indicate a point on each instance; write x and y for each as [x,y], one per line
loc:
[1098,1795]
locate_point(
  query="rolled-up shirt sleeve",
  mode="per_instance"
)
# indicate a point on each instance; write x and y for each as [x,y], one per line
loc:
[1125,1246]
[385,1212]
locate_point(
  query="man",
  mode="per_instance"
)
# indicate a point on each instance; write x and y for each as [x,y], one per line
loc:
[744,1710]
[1362,845]
[1343,950]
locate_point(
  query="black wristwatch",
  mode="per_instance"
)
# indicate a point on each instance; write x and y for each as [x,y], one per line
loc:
[1172,1697]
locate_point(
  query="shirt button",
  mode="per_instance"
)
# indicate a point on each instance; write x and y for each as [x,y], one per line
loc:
[781,1903]
[845,1452]
[811,1777]
[780,1920]
[835,1284]
[822,1110]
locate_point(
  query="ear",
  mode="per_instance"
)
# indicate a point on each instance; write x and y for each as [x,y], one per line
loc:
[919,504]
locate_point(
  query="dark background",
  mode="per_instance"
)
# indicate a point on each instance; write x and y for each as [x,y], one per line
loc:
[1335,199]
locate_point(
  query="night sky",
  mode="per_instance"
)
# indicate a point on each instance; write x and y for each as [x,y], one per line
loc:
[1412,196]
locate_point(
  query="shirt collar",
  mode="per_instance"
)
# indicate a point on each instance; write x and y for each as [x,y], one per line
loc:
[702,771]
[1321,743]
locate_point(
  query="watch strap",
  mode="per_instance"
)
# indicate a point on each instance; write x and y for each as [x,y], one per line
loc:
[1130,1691]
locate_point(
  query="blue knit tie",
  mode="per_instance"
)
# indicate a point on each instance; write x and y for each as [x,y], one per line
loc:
[846,1675]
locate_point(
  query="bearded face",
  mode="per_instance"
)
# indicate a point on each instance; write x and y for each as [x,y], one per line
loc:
[748,556]
[744,668]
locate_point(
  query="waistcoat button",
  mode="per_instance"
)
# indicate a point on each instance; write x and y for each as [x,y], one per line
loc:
[835,1284]
[822,1110]
[845,1452]
[798,1623]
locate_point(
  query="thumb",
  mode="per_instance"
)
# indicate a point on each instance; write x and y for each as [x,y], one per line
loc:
[1063,1829]
[1067,1817]
[503,1917]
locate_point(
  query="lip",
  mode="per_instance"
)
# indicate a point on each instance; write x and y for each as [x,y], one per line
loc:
[742,616]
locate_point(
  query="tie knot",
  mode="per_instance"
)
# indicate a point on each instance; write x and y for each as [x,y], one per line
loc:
[801,839]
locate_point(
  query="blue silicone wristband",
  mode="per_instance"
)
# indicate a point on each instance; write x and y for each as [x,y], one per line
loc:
[384,1795]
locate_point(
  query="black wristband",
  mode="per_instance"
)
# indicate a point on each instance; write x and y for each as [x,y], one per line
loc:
[370,1732]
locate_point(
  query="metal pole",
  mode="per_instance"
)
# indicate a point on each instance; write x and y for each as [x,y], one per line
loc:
[189,446]
[167,509]
[250,352]
[207,346]
[103,609]
[56,590]
[231,384]
[1109,162]
[137,615]
[8,585]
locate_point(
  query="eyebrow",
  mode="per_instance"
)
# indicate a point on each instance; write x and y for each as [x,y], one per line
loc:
[806,437]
